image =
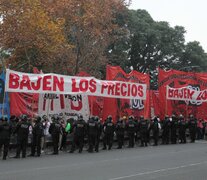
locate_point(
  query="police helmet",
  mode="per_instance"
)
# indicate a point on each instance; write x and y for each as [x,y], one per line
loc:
[109,117]
[38,119]
[96,118]
[44,117]
[141,117]
[23,117]
[181,116]
[191,116]
[80,116]
[166,116]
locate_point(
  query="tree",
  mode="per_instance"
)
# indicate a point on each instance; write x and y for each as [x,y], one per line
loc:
[89,26]
[193,57]
[31,35]
[71,34]
[153,43]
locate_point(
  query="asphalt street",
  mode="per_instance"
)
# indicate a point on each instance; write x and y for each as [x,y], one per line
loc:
[164,162]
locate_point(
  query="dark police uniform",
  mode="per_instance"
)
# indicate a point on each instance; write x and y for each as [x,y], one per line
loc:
[92,130]
[155,130]
[143,128]
[22,131]
[131,129]
[120,129]
[38,132]
[55,130]
[5,133]
[100,127]
[79,133]
[108,128]
[182,129]
[174,127]
[192,124]
[166,130]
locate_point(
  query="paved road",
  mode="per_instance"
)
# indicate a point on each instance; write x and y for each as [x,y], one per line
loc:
[166,162]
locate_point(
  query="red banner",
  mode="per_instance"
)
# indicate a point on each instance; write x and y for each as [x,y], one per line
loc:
[156,106]
[23,103]
[187,80]
[126,107]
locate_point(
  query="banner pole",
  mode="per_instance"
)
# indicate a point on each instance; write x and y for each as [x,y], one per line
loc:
[2,111]
[166,106]
[48,106]
[33,105]
[186,108]
[91,99]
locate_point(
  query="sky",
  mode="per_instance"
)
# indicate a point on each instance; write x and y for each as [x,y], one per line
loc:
[191,14]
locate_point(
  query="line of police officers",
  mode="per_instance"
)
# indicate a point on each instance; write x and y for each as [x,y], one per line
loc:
[173,129]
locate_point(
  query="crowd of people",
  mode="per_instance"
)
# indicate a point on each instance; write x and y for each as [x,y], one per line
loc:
[141,131]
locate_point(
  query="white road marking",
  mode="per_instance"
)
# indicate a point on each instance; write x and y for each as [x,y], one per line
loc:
[157,171]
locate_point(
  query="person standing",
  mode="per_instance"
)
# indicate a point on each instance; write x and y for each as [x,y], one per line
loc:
[131,129]
[155,127]
[38,132]
[108,129]
[100,127]
[46,125]
[166,130]
[182,129]
[5,133]
[92,131]
[173,128]
[192,124]
[120,129]
[143,129]
[22,131]
[79,129]
[55,130]
[199,129]
[203,129]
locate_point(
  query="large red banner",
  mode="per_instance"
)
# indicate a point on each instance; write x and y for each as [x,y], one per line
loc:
[23,103]
[156,106]
[185,80]
[126,107]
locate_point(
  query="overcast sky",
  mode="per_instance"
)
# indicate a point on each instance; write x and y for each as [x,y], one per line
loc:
[192,14]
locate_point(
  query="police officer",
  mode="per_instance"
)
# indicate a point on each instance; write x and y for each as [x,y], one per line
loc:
[137,129]
[55,130]
[203,129]
[143,129]
[192,124]
[100,127]
[120,129]
[131,129]
[79,129]
[182,129]
[5,133]
[108,129]
[22,131]
[92,131]
[174,127]
[166,130]
[13,122]
[155,130]
[38,132]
